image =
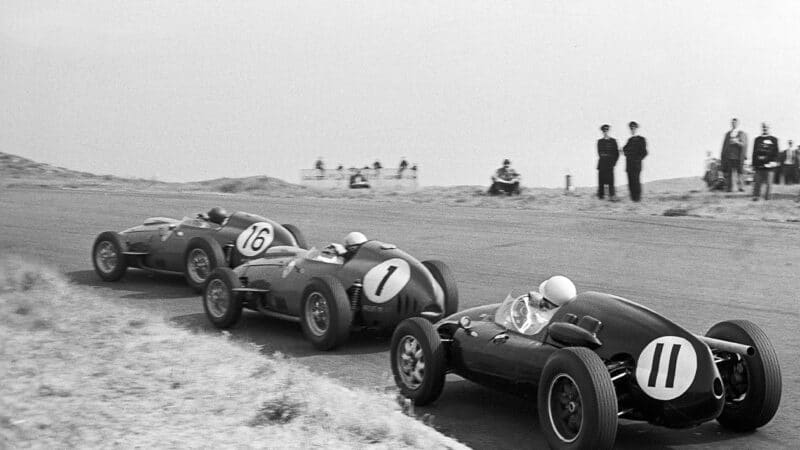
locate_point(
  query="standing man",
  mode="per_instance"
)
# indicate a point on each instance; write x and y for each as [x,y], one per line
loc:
[402,168]
[608,153]
[320,167]
[734,152]
[765,154]
[788,160]
[635,151]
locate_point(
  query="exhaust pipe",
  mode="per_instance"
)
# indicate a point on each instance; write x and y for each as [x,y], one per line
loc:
[727,346]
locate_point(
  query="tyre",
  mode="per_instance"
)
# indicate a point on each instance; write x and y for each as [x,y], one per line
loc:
[222,305]
[201,257]
[107,258]
[325,315]
[298,235]
[577,402]
[752,383]
[442,274]
[418,360]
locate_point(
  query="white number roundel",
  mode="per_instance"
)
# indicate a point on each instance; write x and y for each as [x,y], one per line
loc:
[666,367]
[385,280]
[255,239]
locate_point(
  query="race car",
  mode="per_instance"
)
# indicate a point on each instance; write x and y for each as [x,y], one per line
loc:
[367,285]
[599,358]
[191,246]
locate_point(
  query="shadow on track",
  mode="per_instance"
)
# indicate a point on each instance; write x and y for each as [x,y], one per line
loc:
[275,335]
[137,284]
[485,418]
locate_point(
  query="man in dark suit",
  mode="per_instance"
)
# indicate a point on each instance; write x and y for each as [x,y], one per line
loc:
[635,151]
[608,153]
[765,155]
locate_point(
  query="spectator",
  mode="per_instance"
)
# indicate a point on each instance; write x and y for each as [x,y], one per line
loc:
[320,166]
[734,152]
[765,154]
[635,151]
[505,180]
[788,160]
[402,168]
[376,166]
[608,153]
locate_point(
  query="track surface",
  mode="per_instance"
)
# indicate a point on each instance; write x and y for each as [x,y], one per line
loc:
[697,271]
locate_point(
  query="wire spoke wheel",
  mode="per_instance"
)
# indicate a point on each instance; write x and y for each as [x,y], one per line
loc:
[317,314]
[218,300]
[106,257]
[198,265]
[411,362]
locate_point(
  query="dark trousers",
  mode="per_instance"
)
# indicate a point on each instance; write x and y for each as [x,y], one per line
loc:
[789,173]
[761,176]
[605,177]
[729,166]
[776,176]
[634,185]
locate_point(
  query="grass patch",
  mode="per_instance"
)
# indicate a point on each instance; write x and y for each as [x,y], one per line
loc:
[79,371]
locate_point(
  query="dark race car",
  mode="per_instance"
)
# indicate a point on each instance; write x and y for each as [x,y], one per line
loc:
[599,358]
[329,292]
[192,246]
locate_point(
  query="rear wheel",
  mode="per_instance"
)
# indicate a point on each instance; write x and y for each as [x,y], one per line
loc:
[325,315]
[442,274]
[222,305]
[752,383]
[107,258]
[298,235]
[577,402]
[418,360]
[202,256]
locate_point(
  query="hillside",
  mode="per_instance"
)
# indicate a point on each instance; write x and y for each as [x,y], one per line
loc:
[17,171]
[686,196]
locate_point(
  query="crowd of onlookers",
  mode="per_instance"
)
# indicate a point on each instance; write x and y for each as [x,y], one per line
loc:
[360,177]
[768,164]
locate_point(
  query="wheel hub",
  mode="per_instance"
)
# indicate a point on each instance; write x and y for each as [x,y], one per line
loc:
[411,362]
[106,256]
[317,314]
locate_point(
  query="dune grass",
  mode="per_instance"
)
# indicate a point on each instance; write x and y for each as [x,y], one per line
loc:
[78,371]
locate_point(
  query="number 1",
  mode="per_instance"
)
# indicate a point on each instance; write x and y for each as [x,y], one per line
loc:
[389,271]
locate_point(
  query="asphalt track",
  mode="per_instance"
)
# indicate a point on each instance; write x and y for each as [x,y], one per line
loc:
[696,271]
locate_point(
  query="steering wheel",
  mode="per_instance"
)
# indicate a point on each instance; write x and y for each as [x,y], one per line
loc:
[521,314]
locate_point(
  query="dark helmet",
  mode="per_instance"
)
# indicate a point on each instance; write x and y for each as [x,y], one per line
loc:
[217,215]
[506,162]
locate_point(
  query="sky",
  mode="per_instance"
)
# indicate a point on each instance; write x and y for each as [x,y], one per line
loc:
[192,90]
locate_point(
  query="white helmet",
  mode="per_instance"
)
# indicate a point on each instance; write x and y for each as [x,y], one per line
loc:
[354,238]
[558,290]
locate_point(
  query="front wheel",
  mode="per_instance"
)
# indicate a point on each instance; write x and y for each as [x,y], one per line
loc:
[752,383]
[444,276]
[577,402]
[202,256]
[325,315]
[222,305]
[107,257]
[418,360]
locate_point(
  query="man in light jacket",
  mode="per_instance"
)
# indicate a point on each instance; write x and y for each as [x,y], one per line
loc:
[733,155]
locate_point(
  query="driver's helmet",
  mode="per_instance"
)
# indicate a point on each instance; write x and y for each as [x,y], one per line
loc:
[558,290]
[353,240]
[217,215]
[506,162]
